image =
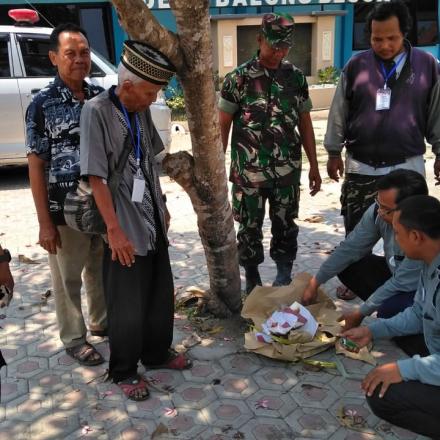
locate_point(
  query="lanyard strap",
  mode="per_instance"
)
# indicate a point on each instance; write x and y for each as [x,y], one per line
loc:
[388,75]
[137,145]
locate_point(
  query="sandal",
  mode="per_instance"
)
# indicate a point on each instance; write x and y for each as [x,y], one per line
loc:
[175,361]
[345,293]
[131,385]
[83,354]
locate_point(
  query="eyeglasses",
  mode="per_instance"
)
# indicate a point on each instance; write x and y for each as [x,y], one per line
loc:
[384,209]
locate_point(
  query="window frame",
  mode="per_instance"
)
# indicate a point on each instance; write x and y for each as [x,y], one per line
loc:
[6,37]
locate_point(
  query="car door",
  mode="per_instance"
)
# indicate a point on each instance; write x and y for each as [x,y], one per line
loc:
[37,69]
[11,113]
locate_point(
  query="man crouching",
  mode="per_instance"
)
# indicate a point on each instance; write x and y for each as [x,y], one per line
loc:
[137,273]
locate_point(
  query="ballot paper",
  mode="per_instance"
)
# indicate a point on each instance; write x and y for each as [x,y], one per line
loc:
[287,319]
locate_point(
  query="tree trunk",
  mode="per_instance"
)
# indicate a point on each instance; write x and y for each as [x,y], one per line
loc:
[203,175]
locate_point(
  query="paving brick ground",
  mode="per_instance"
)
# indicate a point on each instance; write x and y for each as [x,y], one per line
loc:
[229,394]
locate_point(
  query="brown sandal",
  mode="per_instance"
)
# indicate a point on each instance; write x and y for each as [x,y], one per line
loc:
[83,353]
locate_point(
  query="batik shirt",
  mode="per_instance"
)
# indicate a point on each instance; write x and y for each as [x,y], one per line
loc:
[266,104]
[52,133]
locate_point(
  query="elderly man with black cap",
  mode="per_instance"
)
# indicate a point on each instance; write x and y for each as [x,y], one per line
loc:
[137,273]
[267,100]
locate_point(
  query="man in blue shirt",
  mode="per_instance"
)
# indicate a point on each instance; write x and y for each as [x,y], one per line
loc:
[52,146]
[407,392]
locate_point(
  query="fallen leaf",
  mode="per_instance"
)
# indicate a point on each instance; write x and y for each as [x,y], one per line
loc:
[23,259]
[86,429]
[161,429]
[191,340]
[170,412]
[262,404]
[215,330]
[46,294]
[314,219]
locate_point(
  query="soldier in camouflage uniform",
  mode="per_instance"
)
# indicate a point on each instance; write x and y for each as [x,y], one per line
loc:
[267,100]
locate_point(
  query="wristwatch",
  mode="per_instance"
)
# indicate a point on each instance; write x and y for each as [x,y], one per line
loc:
[6,257]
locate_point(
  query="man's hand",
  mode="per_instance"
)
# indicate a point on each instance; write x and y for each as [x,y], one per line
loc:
[361,336]
[335,165]
[121,246]
[310,293]
[385,374]
[314,180]
[6,276]
[437,170]
[352,320]
[49,237]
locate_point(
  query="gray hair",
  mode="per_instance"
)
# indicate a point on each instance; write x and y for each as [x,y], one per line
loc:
[126,75]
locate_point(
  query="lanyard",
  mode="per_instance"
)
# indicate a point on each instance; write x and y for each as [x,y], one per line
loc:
[388,75]
[137,145]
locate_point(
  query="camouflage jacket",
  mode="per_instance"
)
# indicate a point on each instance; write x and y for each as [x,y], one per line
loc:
[266,146]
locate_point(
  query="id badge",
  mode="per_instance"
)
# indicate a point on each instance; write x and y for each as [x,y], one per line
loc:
[138,189]
[383,99]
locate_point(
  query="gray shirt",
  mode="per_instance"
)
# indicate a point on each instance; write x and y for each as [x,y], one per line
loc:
[422,317]
[103,132]
[359,243]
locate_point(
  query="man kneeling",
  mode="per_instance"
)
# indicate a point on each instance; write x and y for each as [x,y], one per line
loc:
[386,283]
[407,392]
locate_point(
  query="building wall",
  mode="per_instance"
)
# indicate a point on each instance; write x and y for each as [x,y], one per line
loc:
[334,30]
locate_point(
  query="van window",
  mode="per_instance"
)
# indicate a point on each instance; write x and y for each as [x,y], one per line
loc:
[5,69]
[34,51]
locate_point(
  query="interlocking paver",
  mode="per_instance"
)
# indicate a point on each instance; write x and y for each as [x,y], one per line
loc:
[263,428]
[227,414]
[228,394]
[266,403]
[312,423]
[193,395]
[310,394]
[241,363]
[275,378]
[204,372]
[234,386]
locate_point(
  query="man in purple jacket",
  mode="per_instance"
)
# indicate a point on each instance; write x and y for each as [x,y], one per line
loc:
[386,104]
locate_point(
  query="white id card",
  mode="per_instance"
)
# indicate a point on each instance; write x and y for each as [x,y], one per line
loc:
[383,99]
[138,189]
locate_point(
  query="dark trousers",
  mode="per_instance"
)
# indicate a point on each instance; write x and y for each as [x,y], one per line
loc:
[140,310]
[367,275]
[411,405]
[357,195]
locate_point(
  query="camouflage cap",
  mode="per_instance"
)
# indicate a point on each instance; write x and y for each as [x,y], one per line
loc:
[277,29]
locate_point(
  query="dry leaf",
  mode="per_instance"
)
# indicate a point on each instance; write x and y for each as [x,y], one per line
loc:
[161,429]
[26,260]
[215,330]
[314,219]
[191,340]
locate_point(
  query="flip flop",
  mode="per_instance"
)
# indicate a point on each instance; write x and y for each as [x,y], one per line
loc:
[131,385]
[82,353]
[345,293]
[175,361]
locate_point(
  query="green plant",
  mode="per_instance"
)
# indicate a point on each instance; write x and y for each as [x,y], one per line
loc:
[328,75]
[177,104]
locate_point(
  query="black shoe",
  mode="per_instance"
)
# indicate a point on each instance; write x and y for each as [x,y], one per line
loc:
[252,278]
[284,274]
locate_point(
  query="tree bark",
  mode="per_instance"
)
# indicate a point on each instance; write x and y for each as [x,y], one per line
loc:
[203,175]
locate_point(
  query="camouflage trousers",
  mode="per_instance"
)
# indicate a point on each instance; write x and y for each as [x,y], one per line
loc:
[357,195]
[248,205]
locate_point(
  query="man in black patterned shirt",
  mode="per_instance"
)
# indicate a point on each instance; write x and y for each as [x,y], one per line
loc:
[52,144]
